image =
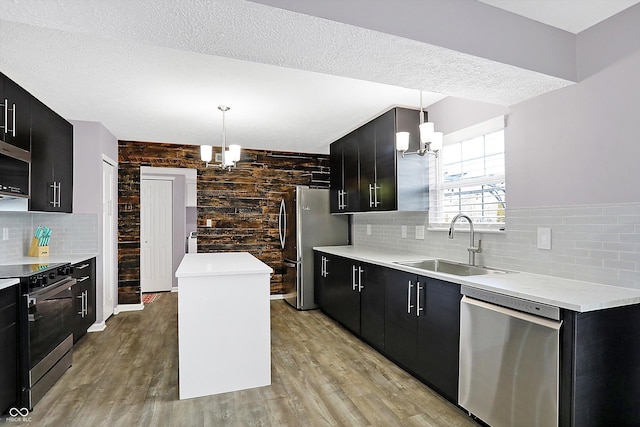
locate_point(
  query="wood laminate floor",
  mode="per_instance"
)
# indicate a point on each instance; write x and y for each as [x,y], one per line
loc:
[321,376]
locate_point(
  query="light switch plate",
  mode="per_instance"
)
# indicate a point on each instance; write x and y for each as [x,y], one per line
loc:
[403,231]
[420,232]
[544,238]
[5,233]
[368,229]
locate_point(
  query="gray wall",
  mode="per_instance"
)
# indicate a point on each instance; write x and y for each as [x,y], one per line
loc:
[92,141]
[577,145]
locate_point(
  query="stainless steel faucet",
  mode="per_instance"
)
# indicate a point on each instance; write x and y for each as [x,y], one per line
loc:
[473,250]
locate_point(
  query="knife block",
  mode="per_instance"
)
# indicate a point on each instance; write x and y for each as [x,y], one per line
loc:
[38,251]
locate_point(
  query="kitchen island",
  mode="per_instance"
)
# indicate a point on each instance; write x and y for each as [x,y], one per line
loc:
[223,323]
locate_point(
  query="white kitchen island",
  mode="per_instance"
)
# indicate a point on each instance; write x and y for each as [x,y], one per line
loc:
[224,340]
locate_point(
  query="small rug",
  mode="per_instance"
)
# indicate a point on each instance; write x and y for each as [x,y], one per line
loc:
[149,298]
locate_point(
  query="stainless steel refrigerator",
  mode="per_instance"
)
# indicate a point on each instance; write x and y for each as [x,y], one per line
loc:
[305,222]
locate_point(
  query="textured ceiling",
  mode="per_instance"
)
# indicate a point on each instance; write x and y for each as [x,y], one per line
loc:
[156,71]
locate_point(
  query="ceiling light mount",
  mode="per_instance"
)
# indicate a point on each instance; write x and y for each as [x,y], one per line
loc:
[228,157]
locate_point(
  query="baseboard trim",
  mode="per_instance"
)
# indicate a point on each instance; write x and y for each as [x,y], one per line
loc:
[97,327]
[277,296]
[121,308]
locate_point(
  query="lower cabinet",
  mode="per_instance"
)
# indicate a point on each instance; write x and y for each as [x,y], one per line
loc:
[84,297]
[352,293]
[411,319]
[422,328]
[8,348]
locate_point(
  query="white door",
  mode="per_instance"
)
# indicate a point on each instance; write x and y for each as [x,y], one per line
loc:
[156,243]
[109,184]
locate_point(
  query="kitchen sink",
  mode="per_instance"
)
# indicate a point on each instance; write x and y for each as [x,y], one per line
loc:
[450,267]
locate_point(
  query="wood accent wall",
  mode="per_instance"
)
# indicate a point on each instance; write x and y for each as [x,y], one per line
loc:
[242,203]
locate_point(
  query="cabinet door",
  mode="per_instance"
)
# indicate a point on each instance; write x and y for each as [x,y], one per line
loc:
[439,336]
[400,321]
[84,297]
[17,130]
[8,348]
[336,179]
[385,141]
[367,158]
[351,171]
[51,161]
[341,300]
[372,305]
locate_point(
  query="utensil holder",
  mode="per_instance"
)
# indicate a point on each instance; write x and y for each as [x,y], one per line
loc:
[38,251]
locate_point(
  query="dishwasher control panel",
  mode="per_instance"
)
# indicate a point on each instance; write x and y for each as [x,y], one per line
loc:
[526,306]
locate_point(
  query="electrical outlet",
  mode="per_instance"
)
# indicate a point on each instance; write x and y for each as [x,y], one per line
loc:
[403,231]
[368,229]
[544,238]
[209,223]
[5,233]
[420,232]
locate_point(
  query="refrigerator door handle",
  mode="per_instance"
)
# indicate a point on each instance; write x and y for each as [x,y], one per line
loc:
[282,223]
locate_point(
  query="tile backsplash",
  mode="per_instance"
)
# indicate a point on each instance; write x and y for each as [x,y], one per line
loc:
[595,243]
[70,234]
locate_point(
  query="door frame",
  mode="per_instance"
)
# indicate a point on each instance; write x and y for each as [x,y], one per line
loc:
[110,242]
[171,180]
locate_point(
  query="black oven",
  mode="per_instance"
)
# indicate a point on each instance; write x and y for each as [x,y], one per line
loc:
[45,326]
[15,167]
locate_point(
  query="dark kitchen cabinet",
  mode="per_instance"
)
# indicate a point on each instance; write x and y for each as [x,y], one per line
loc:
[378,164]
[84,297]
[422,328]
[366,167]
[15,117]
[439,336]
[51,161]
[353,294]
[372,308]
[340,295]
[8,348]
[345,174]
[600,368]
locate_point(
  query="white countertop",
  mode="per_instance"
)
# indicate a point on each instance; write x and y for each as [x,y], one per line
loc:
[564,293]
[5,283]
[221,264]
[52,259]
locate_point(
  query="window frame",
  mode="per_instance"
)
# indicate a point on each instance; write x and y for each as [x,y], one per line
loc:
[437,186]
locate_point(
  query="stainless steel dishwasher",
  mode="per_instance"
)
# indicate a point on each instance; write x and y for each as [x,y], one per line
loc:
[509,359]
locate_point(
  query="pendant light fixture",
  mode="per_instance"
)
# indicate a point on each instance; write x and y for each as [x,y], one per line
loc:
[430,140]
[228,157]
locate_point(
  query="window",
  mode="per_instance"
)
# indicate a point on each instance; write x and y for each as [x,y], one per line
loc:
[468,177]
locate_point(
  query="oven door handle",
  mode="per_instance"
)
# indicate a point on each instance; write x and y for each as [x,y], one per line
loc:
[50,291]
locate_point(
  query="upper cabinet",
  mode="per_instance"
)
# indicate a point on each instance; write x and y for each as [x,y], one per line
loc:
[368,174]
[15,114]
[51,161]
[32,126]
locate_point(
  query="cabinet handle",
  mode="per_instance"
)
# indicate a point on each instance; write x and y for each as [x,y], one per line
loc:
[370,197]
[5,124]
[360,287]
[418,308]
[375,194]
[341,203]
[409,305]
[353,278]
[82,267]
[82,279]
[13,131]
[59,194]
[56,194]
[81,298]
[86,303]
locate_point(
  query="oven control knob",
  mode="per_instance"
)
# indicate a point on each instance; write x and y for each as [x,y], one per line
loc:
[64,271]
[52,275]
[41,280]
